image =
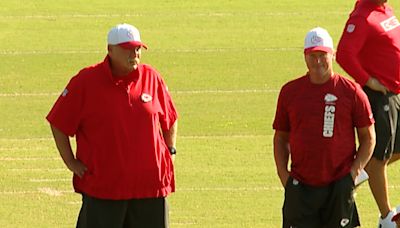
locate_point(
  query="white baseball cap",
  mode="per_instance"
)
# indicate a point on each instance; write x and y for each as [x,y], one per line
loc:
[318,39]
[126,36]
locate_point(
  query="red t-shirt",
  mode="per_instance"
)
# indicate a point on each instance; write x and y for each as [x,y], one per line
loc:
[117,127]
[370,45]
[321,120]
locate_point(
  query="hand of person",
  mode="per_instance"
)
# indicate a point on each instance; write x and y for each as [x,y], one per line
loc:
[284,178]
[77,167]
[374,84]
[354,173]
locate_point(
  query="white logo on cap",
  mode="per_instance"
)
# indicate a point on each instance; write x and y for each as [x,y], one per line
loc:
[146,97]
[316,39]
[129,34]
[351,28]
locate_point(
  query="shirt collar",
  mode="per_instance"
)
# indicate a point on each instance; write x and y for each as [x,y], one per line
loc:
[374,6]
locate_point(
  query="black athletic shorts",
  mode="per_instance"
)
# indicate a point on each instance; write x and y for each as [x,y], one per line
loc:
[331,206]
[385,109]
[138,213]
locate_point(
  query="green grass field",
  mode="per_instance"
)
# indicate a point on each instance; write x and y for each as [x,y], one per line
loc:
[224,61]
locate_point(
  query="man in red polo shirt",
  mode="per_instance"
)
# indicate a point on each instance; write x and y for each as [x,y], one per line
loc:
[125,125]
[369,51]
[314,124]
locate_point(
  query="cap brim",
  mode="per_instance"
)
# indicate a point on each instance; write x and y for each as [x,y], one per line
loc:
[132,45]
[318,48]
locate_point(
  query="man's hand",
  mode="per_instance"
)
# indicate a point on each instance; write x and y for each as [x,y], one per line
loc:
[76,167]
[354,173]
[284,178]
[374,84]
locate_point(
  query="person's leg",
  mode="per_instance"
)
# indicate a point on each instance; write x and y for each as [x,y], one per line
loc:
[147,213]
[385,115]
[101,213]
[301,205]
[396,151]
[395,157]
[378,184]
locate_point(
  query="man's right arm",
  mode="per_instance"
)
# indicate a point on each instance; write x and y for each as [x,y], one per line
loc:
[281,155]
[350,45]
[64,148]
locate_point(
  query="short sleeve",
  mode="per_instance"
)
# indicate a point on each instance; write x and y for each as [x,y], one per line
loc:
[281,121]
[169,115]
[67,111]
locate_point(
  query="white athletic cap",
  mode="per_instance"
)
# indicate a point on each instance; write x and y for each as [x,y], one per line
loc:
[318,39]
[126,36]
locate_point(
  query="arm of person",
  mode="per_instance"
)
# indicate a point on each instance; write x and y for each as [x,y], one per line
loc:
[170,136]
[281,155]
[366,139]
[64,148]
[374,84]
[350,46]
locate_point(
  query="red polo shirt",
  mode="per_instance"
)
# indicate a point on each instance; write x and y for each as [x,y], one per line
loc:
[370,45]
[117,128]
[321,120]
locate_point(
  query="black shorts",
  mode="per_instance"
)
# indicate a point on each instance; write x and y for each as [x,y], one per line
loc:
[385,109]
[99,213]
[320,207]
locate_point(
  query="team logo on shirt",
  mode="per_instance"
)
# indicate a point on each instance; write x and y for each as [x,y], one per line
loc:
[350,28]
[329,115]
[146,97]
[390,23]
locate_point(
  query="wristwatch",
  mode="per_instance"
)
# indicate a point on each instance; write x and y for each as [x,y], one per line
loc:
[172,150]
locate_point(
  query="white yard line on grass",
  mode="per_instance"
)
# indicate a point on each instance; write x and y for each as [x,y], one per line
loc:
[51,191]
[220,136]
[230,189]
[29,158]
[38,170]
[168,13]
[22,148]
[180,137]
[216,91]
[50,180]
[28,94]
[225,91]
[25,139]
[187,50]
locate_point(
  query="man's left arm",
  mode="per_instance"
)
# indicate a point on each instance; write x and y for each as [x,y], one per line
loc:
[366,139]
[170,136]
